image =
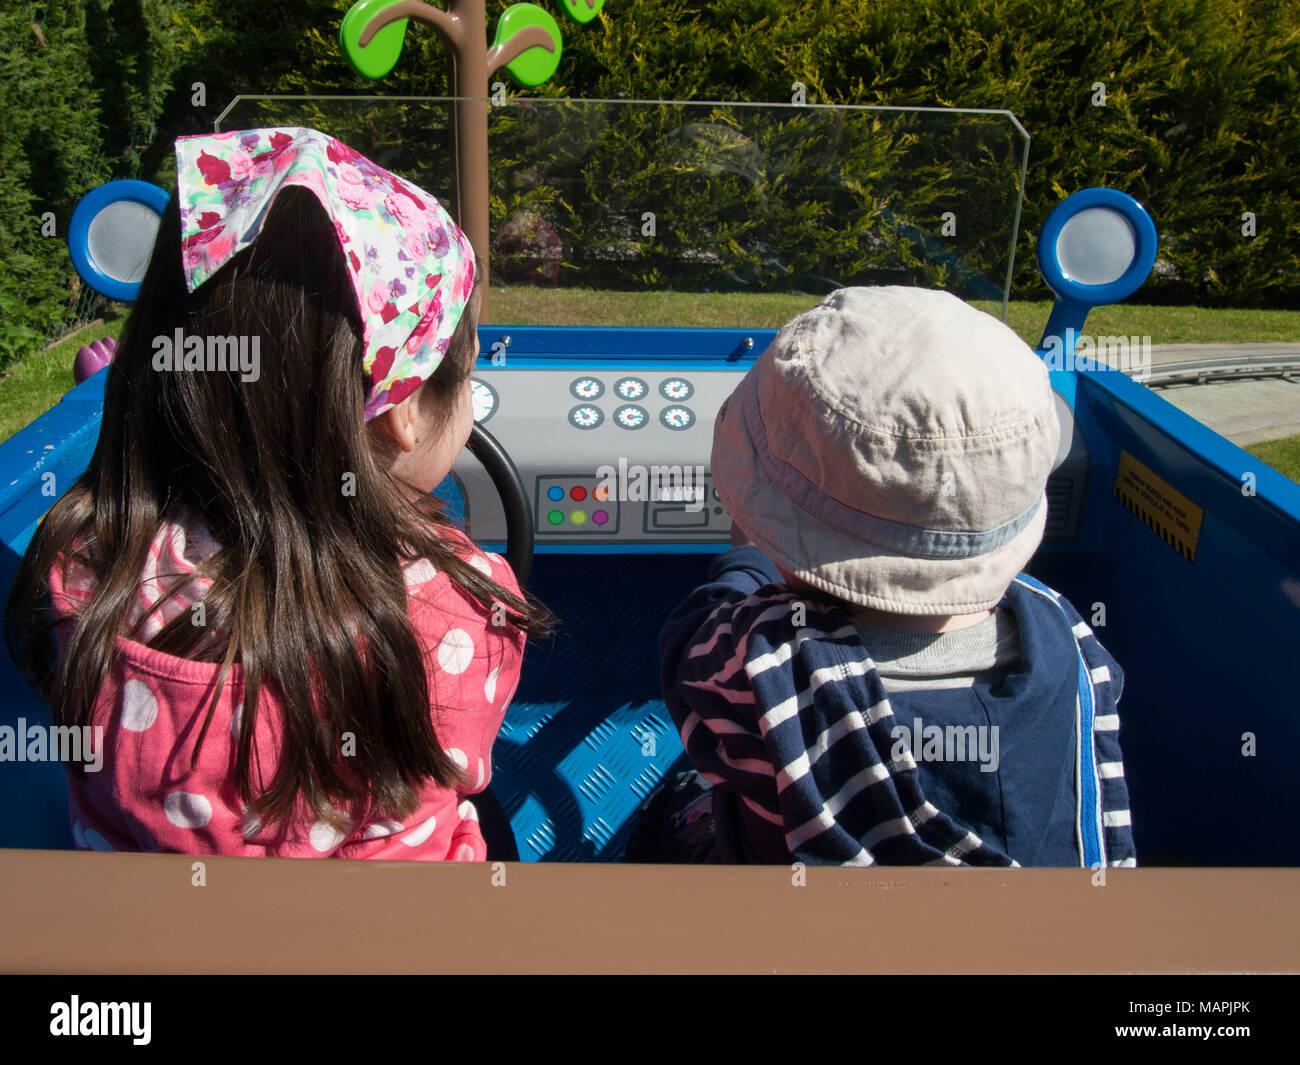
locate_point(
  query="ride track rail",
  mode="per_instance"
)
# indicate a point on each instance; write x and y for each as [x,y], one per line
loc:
[1228,367]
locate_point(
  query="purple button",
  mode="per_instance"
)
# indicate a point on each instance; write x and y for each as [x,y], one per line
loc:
[599,517]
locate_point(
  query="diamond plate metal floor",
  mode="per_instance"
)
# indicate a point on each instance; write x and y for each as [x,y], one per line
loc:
[588,737]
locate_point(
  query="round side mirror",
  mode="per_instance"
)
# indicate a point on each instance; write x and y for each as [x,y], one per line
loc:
[112,235]
[1097,246]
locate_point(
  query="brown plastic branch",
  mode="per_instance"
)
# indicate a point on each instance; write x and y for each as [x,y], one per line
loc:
[448,27]
[517,45]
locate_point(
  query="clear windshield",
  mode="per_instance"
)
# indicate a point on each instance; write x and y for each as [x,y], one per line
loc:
[595,197]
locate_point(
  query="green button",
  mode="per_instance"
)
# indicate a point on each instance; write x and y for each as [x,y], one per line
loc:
[578,517]
[555,517]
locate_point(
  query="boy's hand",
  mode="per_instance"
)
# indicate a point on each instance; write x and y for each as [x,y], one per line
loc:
[738,537]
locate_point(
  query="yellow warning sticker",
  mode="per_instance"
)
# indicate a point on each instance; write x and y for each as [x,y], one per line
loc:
[1157,504]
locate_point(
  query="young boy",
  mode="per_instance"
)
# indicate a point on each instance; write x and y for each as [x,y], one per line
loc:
[868,676]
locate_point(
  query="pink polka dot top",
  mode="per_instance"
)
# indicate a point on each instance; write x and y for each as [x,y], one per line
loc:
[146,796]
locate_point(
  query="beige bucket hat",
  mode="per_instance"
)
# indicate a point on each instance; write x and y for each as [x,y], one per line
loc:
[892,447]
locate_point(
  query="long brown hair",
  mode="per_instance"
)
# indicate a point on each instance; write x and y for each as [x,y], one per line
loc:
[308,595]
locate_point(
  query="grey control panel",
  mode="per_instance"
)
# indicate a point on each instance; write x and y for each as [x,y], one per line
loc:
[606,454]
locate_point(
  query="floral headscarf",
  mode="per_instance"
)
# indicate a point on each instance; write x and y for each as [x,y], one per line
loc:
[412,269]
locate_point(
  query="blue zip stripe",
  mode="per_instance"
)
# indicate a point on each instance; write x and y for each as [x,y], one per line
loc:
[1088,801]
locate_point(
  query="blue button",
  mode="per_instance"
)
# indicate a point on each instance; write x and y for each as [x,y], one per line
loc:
[555,493]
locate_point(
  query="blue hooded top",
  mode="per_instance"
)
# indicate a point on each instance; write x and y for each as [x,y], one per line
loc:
[781,708]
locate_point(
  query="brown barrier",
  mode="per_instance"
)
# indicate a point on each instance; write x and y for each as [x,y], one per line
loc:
[114,913]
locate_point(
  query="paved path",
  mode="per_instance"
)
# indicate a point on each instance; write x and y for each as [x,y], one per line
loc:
[1187,352]
[1247,411]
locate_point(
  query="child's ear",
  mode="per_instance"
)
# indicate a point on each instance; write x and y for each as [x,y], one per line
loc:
[397,425]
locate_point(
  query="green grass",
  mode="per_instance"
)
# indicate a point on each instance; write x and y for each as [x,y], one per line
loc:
[741,310]
[33,386]
[1282,455]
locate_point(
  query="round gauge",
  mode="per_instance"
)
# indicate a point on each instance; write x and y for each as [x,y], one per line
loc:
[485,400]
[676,388]
[631,388]
[585,417]
[587,388]
[631,416]
[677,417]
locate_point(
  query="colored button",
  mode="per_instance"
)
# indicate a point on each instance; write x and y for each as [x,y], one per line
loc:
[578,493]
[599,517]
[555,493]
[555,517]
[578,517]
[600,493]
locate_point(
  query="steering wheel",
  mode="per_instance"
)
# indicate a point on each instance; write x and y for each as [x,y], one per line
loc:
[510,487]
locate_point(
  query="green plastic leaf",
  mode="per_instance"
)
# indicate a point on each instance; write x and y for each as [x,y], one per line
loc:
[534,66]
[582,11]
[380,56]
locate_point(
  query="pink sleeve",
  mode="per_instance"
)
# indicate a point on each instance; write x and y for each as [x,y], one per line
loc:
[467,843]
[474,667]
[384,840]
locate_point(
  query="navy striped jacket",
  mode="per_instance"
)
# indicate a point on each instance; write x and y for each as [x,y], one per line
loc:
[783,711]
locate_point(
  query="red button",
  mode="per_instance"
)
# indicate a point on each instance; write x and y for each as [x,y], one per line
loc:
[578,493]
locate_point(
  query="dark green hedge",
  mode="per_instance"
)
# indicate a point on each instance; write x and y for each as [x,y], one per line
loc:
[1199,123]
[80,84]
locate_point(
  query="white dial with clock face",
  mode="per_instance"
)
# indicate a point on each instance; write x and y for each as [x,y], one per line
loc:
[677,417]
[631,388]
[631,416]
[585,417]
[676,388]
[485,400]
[587,388]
